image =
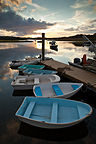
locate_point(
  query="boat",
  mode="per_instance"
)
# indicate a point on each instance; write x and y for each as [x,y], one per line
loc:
[88,65]
[17,63]
[52,113]
[53,46]
[27,82]
[92,46]
[31,66]
[38,71]
[58,90]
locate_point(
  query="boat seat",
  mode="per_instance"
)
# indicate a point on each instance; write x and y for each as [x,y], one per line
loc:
[54,113]
[29,72]
[75,87]
[57,90]
[80,111]
[36,80]
[38,91]
[29,109]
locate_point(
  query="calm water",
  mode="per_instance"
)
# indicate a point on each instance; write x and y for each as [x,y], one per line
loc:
[13,131]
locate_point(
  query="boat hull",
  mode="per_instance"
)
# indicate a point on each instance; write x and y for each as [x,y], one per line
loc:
[47,125]
[35,71]
[23,67]
[23,87]
[16,64]
[27,82]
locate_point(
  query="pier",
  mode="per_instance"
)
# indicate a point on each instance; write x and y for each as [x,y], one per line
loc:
[73,73]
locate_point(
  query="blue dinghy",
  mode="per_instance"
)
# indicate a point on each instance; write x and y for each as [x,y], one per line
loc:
[35,71]
[31,66]
[52,112]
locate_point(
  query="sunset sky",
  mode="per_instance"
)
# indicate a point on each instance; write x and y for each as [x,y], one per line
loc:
[56,18]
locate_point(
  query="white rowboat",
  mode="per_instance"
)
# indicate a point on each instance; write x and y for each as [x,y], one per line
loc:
[60,90]
[27,82]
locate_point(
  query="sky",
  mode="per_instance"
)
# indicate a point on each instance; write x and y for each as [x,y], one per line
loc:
[55,18]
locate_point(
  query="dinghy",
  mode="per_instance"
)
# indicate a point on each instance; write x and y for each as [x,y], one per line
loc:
[52,112]
[27,82]
[61,90]
[17,63]
[36,71]
[23,67]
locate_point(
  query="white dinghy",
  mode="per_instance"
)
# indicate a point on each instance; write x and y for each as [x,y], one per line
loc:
[52,112]
[17,63]
[61,90]
[27,82]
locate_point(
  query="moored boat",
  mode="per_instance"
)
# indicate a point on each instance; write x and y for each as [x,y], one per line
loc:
[38,71]
[17,63]
[52,113]
[27,82]
[23,67]
[59,90]
[53,46]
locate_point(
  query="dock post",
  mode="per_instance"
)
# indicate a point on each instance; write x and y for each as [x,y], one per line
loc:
[43,46]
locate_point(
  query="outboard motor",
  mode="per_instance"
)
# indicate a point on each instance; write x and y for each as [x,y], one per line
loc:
[77,60]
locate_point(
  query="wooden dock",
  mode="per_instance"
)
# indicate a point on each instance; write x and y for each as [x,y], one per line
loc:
[73,73]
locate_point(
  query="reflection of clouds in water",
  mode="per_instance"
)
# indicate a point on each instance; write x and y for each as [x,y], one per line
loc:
[13,51]
[16,45]
[39,45]
[67,52]
[0,89]
[8,45]
[7,72]
[9,134]
[65,48]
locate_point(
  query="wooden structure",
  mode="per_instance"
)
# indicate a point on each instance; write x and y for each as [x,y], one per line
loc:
[73,73]
[43,46]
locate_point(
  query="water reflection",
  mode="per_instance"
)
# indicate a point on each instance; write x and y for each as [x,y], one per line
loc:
[8,45]
[6,72]
[11,45]
[68,51]
[0,89]
[22,93]
[9,134]
[13,51]
[12,131]
[66,134]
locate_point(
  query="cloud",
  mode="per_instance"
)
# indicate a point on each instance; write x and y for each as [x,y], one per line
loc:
[82,4]
[80,16]
[90,1]
[38,6]
[88,27]
[95,7]
[10,21]
[9,3]
[4,32]
[71,29]
[20,9]
[16,5]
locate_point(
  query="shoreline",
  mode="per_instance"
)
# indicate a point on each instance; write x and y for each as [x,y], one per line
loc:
[12,41]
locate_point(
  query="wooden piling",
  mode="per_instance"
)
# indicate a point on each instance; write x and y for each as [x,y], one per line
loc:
[43,46]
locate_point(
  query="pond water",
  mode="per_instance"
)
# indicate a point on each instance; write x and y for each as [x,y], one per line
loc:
[12,131]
